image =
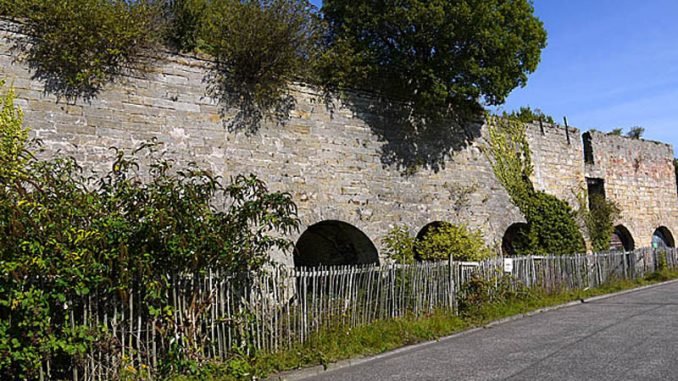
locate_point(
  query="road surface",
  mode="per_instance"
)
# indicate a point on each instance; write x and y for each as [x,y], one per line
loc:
[626,337]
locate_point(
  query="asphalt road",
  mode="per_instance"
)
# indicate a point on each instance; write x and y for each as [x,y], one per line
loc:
[627,337]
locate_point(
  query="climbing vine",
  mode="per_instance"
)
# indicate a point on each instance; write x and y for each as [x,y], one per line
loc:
[551,223]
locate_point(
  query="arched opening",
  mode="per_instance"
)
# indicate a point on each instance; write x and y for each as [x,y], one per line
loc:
[662,238]
[334,243]
[511,243]
[425,230]
[622,240]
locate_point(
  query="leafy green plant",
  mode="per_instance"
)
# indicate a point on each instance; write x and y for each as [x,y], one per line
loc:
[435,54]
[78,46]
[526,114]
[458,241]
[399,245]
[184,20]
[260,46]
[635,132]
[65,236]
[599,219]
[551,222]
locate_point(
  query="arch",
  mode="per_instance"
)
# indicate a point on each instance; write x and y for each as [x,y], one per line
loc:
[511,241]
[423,231]
[662,238]
[334,243]
[622,239]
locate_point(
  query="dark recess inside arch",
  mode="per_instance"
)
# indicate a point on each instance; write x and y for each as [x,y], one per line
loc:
[662,237]
[334,243]
[622,240]
[513,235]
[422,233]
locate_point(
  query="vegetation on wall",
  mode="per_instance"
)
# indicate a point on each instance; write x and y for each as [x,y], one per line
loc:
[635,132]
[551,223]
[259,47]
[65,235]
[78,46]
[599,219]
[526,114]
[183,20]
[434,55]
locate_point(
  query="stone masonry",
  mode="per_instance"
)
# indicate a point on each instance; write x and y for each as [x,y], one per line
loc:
[341,161]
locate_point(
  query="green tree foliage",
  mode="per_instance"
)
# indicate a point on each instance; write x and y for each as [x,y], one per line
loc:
[184,20]
[64,236]
[551,223]
[616,132]
[526,114]
[599,219]
[433,53]
[77,46]
[259,47]
[457,240]
[399,245]
[635,132]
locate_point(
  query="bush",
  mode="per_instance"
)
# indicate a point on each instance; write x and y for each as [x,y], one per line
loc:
[599,220]
[78,46]
[65,236]
[552,227]
[399,245]
[456,240]
[259,47]
[184,19]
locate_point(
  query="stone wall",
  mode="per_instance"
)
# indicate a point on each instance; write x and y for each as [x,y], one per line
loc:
[557,155]
[355,162]
[639,176]
[338,162]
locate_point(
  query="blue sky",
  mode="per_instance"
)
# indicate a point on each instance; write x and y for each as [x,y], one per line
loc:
[608,64]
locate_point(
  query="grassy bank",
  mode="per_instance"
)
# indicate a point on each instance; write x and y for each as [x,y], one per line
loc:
[386,335]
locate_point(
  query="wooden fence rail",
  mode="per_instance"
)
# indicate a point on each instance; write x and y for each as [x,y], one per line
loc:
[216,314]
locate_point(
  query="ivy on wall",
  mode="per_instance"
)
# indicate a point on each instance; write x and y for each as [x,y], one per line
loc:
[551,223]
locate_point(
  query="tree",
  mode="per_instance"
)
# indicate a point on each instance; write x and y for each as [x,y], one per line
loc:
[616,132]
[433,53]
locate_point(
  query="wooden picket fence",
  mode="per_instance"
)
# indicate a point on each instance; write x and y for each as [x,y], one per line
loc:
[215,315]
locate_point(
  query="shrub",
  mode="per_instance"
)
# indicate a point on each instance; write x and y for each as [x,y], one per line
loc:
[78,46]
[184,20]
[399,245]
[259,47]
[552,227]
[65,236]
[599,220]
[457,240]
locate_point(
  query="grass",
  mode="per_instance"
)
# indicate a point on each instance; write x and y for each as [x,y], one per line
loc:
[382,336]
